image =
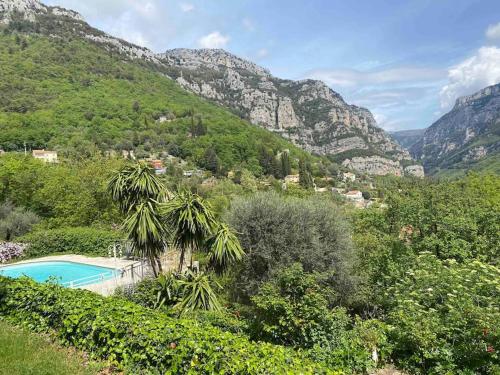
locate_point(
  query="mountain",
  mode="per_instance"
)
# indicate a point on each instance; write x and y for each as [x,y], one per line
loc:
[307,112]
[468,137]
[67,53]
[407,138]
[67,86]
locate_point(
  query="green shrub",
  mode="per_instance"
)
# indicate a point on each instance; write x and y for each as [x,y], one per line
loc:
[293,310]
[141,340]
[85,241]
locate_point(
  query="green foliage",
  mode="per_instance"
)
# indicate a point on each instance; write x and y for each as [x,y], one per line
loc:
[15,221]
[143,340]
[71,193]
[191,220]
[72,95]
[85,241]
[292,309]
[198,292]
[139,192]
[277,232]
[305,174]
[446,316]
[224,248]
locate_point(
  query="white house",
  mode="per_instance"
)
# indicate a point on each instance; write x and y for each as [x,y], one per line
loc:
[348,176]
[46,156]
[354,195]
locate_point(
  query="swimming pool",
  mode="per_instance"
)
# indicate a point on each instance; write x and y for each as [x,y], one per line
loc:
[65,273]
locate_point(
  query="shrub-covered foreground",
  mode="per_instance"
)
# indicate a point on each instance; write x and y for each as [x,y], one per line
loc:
[85,241]
[141,339]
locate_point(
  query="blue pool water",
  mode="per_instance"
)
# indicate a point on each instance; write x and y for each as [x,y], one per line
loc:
[64,272]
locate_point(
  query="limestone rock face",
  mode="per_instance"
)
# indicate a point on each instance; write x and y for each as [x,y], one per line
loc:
[467,134]
[27,8]
[307,112]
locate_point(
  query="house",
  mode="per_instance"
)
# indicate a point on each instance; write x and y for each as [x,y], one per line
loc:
[292,179]
[348,176]
[354,195]
[158,166]
[191,173]
[46,156]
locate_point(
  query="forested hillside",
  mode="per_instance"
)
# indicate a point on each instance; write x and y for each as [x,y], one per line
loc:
[70,95]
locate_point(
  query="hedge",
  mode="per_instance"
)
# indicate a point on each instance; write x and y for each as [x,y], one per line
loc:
[82,240]
[142,340]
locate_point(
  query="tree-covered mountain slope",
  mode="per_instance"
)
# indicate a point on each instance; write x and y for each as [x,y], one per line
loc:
[468,137]
[69,93]
[69,86]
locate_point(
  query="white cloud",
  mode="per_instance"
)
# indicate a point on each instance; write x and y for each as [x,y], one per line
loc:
[493,32]
[213,40]
[263,52]
[471,75]
[351,78]
[248,24]
[185,7]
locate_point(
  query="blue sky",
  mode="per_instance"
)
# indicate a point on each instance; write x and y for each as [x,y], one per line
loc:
[406,61]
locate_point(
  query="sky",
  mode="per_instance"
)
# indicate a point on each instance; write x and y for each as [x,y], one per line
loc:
[407,61]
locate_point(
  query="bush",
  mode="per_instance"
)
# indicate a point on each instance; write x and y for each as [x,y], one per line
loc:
[15,221]
[277,232]
[446,317]
[9,251]
[292,309]
[141,340]
[85,241]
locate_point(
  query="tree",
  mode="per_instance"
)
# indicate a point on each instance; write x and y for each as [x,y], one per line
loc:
[286,169]
[139,194]
[277,232]
[224,248]
[210,160]
[136,106]
[292,309]
[191,220]
[15,221]
[306,180]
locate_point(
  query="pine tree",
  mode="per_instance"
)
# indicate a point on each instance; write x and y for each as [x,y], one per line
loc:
[286,168]
[305,176]
[210,160]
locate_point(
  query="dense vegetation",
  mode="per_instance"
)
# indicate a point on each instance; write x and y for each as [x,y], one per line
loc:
[138,338]
[414,283]
[71,95]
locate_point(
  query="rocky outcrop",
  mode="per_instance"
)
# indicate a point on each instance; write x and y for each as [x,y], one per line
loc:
[307,112]
[467,134]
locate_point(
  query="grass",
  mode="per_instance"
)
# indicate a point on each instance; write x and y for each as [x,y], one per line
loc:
[24,353]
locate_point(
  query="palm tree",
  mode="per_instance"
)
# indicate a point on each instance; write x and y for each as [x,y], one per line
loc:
[198,292]
[192,221]
[139,194]
[224,248]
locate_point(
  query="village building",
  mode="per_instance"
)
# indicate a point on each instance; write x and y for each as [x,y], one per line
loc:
[292,179]
[354,195]
[348,176]
[158,166]
[46,156]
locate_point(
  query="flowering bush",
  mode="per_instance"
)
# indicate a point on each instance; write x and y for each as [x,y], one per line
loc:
[10,250]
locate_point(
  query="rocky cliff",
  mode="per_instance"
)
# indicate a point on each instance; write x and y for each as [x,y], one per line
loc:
[307,112]
[467,135]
